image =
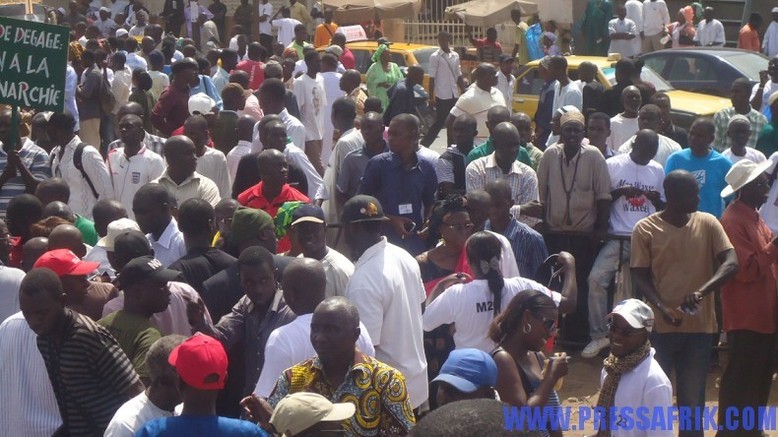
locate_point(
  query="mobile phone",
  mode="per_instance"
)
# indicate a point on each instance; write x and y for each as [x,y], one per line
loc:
[409,227]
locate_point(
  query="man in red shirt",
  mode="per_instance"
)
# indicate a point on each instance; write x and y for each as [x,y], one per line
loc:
[748,39]
[346,58]
[489,50]
[272,191]
[748,302]
[253,65]
[172,108]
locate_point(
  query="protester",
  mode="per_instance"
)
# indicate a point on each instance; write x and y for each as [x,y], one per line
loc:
[739,96]
[738,134]
[152,206]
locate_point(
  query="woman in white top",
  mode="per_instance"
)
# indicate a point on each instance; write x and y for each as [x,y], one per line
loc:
[473,306]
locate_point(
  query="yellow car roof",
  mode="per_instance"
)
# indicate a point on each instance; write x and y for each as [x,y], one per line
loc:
[397,46]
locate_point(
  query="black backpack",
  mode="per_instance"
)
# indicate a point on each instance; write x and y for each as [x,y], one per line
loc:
[78,162]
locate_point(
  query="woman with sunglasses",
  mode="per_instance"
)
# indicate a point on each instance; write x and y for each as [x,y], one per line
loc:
[521,332]
[474,305]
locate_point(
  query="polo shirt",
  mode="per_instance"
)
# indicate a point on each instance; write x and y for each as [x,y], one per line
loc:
[387,290]
[487,148]
[585,177]
[195,186]
[135,335]
[710,171]
[170,245]
[477,103]
[89,373]
[213,165]
[128,174]
[34,159]
[254,198]
[29,405]
[291,344]
[338,270]
[521,177]
[151,142]
[471,307]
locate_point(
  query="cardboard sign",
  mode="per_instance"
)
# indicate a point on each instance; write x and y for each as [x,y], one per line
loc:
[33,60]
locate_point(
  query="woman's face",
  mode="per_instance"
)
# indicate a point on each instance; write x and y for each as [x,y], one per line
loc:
[386,57]
[543,323]
[456,228]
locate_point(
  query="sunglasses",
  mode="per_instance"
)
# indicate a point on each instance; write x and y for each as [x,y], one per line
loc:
[549,324]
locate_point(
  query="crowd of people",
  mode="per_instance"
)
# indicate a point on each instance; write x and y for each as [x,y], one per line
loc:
[252,241]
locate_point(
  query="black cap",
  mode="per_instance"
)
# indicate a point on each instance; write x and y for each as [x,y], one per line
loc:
[132,244]
[184,63]
[308,213]
[363,208]
[145,267]
[506,58]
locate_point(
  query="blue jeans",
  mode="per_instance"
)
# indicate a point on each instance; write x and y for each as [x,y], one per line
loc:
[604,270]
[689,355]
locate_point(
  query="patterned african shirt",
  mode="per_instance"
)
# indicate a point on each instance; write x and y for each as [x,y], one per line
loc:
[376,389]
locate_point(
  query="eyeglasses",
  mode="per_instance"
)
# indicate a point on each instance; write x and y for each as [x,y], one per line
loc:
[460,227]
[623,332]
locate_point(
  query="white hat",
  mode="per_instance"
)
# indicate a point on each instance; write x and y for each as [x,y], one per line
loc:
[121,32]
[738,118]
[116,228]
[201,104]
[62,11]
[636,313]
[105,9]
[775,10]
[299,411]
[741,173]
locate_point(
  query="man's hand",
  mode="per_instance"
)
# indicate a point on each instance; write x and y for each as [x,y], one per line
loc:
[671,315]
[691,301]
[402,225]
[628,191]
[653,197]
[195,311]
[763,78]
[533,208]
[257,410]
[566,261]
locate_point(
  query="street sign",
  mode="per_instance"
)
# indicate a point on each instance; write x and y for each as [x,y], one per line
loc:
[33,61]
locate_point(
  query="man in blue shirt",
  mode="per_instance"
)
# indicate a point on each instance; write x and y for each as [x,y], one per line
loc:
[707,165]
[401,100]
[404,183]
[201,364]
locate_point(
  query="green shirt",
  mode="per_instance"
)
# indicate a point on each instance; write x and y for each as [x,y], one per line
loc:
[768,138]
[135,335]
[535,155]
[87,228]
[487,149]
[299,48]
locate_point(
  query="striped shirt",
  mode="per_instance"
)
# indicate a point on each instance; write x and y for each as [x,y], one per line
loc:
[89,373]
[528,246]
[522,178]
[35,159]
[29,406]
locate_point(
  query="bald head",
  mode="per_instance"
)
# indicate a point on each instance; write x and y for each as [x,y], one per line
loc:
[59,209]
[681,191]
[304,284]
[32,250]
[478,204]
[340,306]
[630,98]
[53,189]
[67,237]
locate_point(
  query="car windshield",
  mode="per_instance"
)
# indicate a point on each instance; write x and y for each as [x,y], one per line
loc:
[423,56]
[750,64]
[647,74]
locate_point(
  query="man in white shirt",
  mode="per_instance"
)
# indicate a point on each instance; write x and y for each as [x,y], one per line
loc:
[229,60]
[105,23]
[272,93]
[303,286]
[309,90]
[624,34]
[71,84]
[265,29]
[631,377]
[567,91]
[158,400]
[331,80]
[506,83]
[285,27]
[637,192]
[477,101]
[446,83]
[635,13]
[655,21]
[710,32]
[133,165]
[84,193]
[152,207]
[650,117]
[625,125]
[133,59]
[122,81]
[386,288]
[140,26]
[211,162]
[738,133]
[245,128]
[768,84]
[770,41]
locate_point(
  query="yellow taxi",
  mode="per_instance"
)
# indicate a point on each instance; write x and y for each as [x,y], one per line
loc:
[686,106]
[403,54]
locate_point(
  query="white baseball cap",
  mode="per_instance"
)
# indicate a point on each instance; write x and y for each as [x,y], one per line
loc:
[636,313]
[201,104]
[116,228]
[299,411]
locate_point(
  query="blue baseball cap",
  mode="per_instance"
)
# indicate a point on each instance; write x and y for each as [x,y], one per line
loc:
[467,370]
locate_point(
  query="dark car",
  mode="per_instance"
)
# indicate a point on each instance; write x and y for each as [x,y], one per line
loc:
[708,70]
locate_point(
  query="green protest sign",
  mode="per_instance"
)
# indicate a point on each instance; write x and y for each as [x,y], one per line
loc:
[33,60]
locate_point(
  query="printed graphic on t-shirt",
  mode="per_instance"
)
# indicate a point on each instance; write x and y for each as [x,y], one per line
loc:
[636,203]
[701,177]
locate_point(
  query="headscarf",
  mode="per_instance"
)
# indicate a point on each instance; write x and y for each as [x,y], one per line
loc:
[284,217]
[248,222]
[698,11]
[379,51]
[615,368]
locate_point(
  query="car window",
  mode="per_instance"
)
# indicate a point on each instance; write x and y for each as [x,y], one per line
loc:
[361,59]
[685,68]
[647,74]
[399,59]
[750,64]
[531,83]
[656,63]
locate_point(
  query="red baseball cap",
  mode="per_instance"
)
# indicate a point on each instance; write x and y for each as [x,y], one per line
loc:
[63,262]
[201,362]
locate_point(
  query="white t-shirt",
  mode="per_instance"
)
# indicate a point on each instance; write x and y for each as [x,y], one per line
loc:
[769,88]
[128,175]
[131,416]
[471,307]
[387,290]
[213,165]
[291,344]
[751,154]
[285,29]
[333,92]
[312,100]
[621,130]
[338,270]
[645,386]
[769,211]
[625,213]
[264,26]
[477,103]
[666,148]
[569,94]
